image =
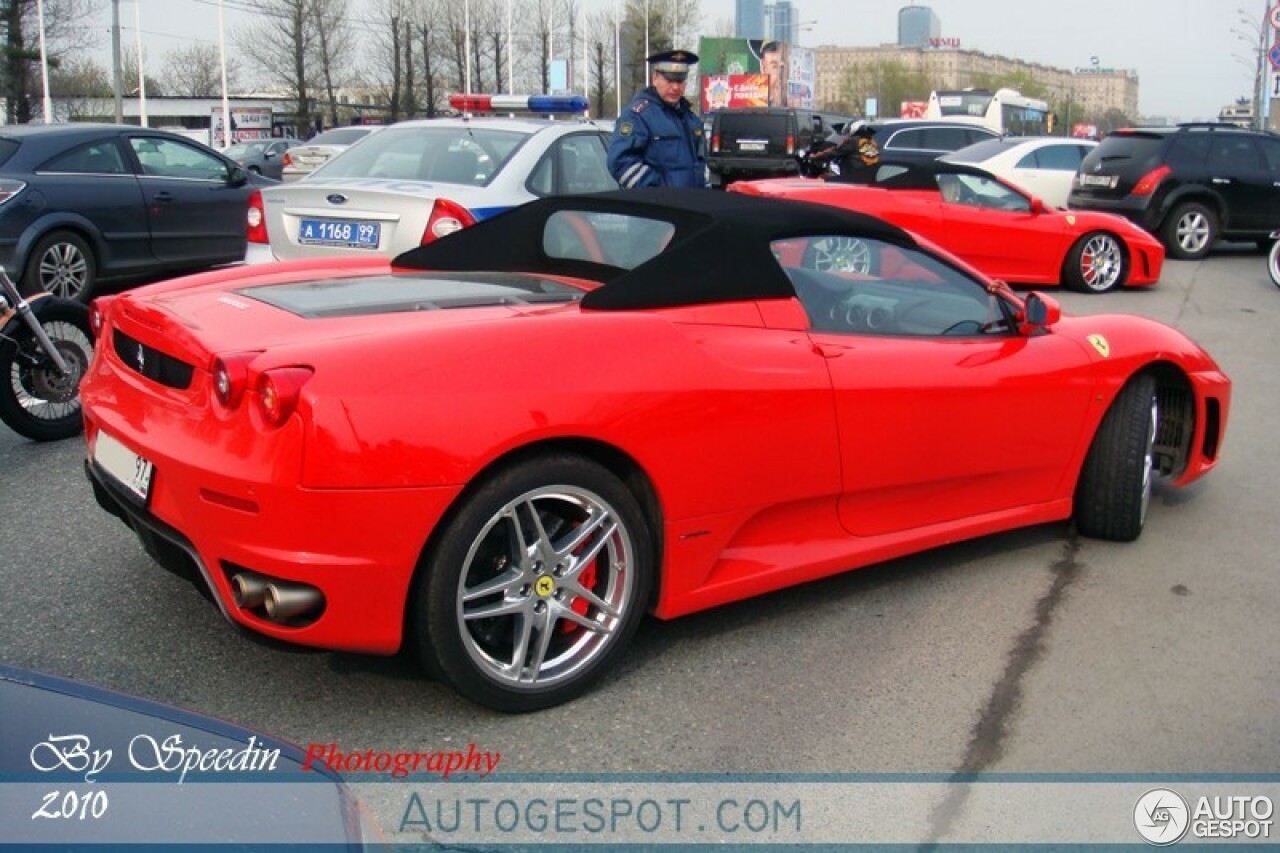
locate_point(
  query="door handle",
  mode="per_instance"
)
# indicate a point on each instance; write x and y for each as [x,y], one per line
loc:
[162,196]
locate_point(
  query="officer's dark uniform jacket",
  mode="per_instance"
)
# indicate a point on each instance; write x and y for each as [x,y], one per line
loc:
[657,145]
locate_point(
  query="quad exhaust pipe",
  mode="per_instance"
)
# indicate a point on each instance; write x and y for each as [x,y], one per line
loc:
[281,600]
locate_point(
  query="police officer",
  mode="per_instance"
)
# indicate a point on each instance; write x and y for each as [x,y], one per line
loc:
[658,141]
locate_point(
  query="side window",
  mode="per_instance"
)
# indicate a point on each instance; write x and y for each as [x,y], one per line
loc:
[946,138]
[168,159]
[1234,155]
[100,158]
[906,139]
[1189,151]
[1030,160]
[584,164]
[862,286]
[1271,151]
[979,191]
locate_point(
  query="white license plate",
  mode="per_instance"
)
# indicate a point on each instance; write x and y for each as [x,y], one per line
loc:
[126,467]
[751,145]
[1108,181]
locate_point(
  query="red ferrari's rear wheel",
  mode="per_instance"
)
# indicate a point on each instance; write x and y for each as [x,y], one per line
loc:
[1096,263]
[536,584]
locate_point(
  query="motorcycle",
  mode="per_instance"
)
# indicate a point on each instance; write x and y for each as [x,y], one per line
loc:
[46,344]
[1273,259]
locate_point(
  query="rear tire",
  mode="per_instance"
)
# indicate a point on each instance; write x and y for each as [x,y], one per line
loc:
[1190,231]
[62,264]
[1273,263]
[535,585]
[1115,484]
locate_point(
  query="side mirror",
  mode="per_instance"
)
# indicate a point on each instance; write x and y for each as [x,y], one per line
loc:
[1037,206]
[1039,312]
[238,177]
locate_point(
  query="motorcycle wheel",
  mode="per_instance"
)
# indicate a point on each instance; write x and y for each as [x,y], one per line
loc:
[1273,263]
[37,401]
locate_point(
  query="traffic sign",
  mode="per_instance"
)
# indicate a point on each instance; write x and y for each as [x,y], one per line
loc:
[1274,55]
[1275,17]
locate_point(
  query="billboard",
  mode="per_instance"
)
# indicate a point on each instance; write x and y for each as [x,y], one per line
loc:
[738,72]
[247,123]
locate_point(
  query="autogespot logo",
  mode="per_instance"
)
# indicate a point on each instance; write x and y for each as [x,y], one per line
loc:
[1161,817]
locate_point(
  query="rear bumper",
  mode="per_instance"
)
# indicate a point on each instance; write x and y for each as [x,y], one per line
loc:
[359,547]
[741,169]
[1138,210]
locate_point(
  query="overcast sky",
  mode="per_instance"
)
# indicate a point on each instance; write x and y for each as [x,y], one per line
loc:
[1188,55]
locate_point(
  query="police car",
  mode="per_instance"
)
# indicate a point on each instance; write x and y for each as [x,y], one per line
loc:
[417,181]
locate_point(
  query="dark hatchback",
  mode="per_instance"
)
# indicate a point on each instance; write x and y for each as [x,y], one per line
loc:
[80,203]
[1189,185]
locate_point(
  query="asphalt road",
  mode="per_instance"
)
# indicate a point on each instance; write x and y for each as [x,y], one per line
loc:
[1034,651]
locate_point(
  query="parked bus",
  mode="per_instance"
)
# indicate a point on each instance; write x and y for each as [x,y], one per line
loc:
[1004,111]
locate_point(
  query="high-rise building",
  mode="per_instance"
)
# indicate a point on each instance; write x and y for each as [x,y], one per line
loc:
[780,21]
[916,25]
[748,19]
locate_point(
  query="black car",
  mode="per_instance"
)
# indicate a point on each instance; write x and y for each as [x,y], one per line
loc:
[1189,185]
[761,142]
[916,140]
[80,203]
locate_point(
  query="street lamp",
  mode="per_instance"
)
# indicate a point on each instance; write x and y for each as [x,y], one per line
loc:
[1260,27]
[792,31]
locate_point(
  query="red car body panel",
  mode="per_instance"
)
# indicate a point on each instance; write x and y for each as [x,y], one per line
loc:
[774,455]
[1020,247]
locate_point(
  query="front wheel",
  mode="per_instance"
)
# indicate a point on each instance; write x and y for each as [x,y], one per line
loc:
[1096,263]
[62,264]
[535,585]
[1273,263]
[1115,485]
[36,399]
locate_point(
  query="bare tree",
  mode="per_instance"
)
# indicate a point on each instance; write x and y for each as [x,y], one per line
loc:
[428,36]
[601,50]
[64,35]
[196,72]
[280,45]
[129,75]
[334,43]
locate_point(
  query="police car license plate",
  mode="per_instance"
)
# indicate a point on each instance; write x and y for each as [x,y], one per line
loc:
[125,467]
[327,232]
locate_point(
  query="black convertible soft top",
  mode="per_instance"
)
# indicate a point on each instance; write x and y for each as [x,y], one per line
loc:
[720,250]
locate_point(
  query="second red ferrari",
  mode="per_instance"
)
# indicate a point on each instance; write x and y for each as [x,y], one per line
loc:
[1001,230]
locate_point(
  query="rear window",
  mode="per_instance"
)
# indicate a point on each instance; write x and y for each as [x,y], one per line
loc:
[1125,154]
[979,151]
[419,291]
[447,154]
[762,126]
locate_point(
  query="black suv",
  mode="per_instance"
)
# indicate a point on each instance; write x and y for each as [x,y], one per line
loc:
[1188,185]
[759,142]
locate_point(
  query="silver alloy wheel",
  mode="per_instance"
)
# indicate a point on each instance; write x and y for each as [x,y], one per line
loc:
[545,586]
[1192,232]
[1101,262]
[64,270]
[43,391]
[1148,462]
[841,254]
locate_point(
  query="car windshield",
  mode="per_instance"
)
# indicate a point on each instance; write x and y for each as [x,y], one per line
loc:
[448,154]
[340,136]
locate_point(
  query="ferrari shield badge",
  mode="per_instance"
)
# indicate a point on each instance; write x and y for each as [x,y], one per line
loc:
[1100,344]
[1071,220]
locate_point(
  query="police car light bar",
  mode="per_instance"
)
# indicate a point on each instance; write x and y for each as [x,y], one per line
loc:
[519,103]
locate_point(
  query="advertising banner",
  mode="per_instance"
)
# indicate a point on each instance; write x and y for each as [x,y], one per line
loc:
[739,72]
[247,123]
[802,77]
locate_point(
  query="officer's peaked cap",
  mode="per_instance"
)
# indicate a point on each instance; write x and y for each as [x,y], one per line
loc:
[673,64]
